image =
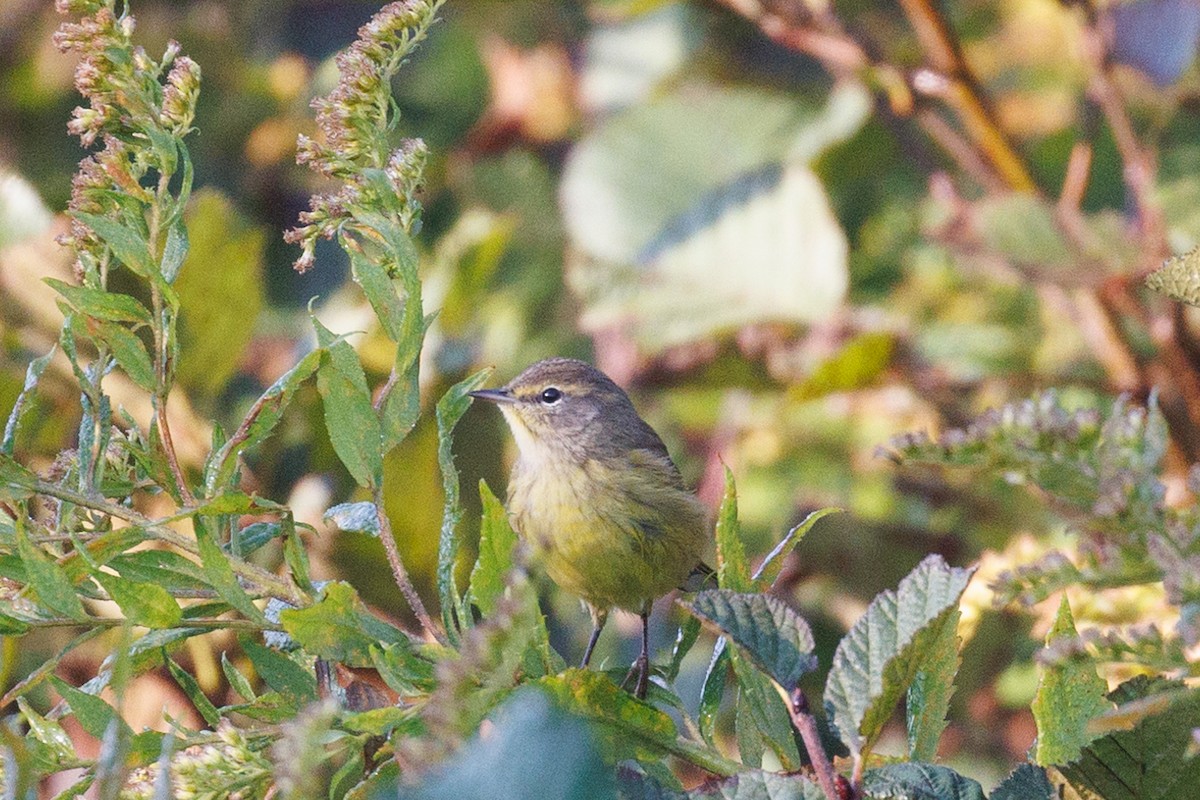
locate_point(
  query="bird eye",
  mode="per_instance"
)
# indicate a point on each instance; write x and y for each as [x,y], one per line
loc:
[550,396]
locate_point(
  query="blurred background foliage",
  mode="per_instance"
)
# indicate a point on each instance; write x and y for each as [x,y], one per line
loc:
[793,229]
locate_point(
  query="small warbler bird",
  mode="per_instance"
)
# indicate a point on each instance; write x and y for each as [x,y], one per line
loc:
[596,495]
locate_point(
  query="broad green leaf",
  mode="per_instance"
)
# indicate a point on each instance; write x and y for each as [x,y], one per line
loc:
[878,659]
[1149,762]
[763,706]
[733,570]
[403,669]
[285,676]
[769,570]
[929,695]
[54,589]
[535,749]
[751,746]
[264,415]
[220,288]
[450,408]
[354,428]
[128,245]
[713,690]
[915,781]
[650,196]
[777,640]
[379,289]
[1026,782]
[496,542]
[338,627]
[237,681]
[99,304]
[58,749]
[191,688]
[129,351]
[360,517]
[221,576]
[94,715]
[33,374]
[147,604]
[626,727]
[175,249]
[758,785]
[1070,694]
[1179,278]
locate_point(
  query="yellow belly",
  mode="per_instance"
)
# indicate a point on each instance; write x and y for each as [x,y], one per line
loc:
[606,537]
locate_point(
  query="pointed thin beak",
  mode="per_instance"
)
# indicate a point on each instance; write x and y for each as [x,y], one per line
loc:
[493,395]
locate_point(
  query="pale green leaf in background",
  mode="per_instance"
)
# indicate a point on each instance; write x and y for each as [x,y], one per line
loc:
[1179,278]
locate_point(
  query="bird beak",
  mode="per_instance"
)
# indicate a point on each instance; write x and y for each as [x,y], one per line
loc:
[493,395]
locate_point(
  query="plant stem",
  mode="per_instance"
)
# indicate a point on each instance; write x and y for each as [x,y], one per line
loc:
[400,574]
[806,726]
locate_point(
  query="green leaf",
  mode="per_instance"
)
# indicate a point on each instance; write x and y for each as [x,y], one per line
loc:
[777,640]
[237,681]
[625,726]
[175,250]
[58,749]
[1070,694]
[733,570]
[914,781]
[685,640]
[1026,782]
[221,576]
[450,408]
[1149,762]
[763,707]
[713,690]
[264,415]
[192,689]
[146,604]
[128,245]
[162,568]
[94,715]
[379,289]
[360,517]
[758,785]
[496,542]
[878,659]
[16,482]
[285,676]
[649,197]
[338,627]
[21,406]
[129,351]
[354,428]
[255,535]
[769,570]
[1179,278]
[99,304]
[221,290]
[929,694]
[53,588]
[403,669]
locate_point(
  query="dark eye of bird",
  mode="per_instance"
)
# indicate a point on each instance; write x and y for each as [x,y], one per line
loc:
[550,395]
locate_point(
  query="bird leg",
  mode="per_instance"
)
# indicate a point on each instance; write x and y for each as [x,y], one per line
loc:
[599,617]
[641,666]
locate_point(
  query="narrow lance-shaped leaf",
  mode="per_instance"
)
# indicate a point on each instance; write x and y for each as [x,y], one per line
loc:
[128,350]
[191,687]
[128,245]
[496,542]
[713,691]
[99,304]
[778,641]
[354,428]
[145,604]
[878,659]
[221,576]
[733,570]
[1070,694]
[262,418]
[32,375]
[54,589]
[450,409]
[769,570]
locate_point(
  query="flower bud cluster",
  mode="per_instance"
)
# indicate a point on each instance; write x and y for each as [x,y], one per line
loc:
[198,769]
[353,122]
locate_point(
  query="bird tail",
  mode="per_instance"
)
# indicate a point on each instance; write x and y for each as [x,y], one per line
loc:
[703,577]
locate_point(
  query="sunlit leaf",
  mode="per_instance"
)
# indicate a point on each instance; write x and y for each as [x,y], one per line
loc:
[354,428]
[338,627]
[285,676]
[929,695]
[54,589]
[915,781]
[496,542]
[360,517]
[876,662]
[192,689]
[129,246]
[1179,278]
[21,406]
[128,350]
[147,604]
[98,304]
[1070,694]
